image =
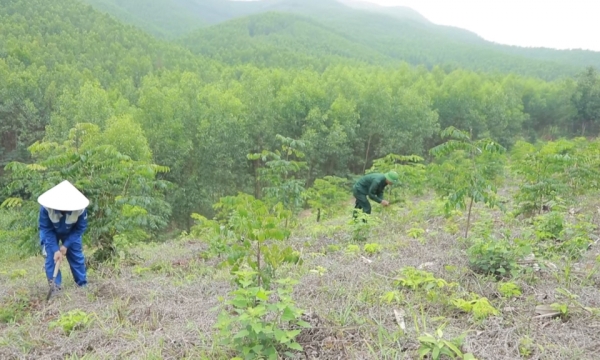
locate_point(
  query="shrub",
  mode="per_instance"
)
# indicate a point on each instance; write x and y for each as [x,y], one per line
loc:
[126,200]
[494,257]
[261,323]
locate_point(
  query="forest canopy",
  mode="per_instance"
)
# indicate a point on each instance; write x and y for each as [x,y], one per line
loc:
[199,105]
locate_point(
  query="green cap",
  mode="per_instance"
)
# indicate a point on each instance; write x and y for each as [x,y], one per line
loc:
[392,176]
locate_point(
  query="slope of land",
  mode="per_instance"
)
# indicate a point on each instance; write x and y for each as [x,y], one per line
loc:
[397,33]
[51,48]
[279,39]
[164,303]
[400,12]
[165,19]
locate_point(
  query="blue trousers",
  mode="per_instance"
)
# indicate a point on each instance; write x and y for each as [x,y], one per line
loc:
[76,263]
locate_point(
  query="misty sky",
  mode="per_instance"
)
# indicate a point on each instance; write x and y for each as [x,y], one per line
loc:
[561,24]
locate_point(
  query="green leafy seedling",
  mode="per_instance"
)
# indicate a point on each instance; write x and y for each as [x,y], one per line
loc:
[72,320]
[372,249]
[509,289]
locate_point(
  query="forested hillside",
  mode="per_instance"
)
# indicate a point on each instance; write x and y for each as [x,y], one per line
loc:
[385,40]
[400,12]
[64,63]
[61,61]
[281,40]
[366,32]
[164,19]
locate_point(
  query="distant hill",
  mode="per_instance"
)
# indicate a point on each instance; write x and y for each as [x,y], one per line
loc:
[328,29]
[175,18]
[279,39]
[162,18]
[401,12]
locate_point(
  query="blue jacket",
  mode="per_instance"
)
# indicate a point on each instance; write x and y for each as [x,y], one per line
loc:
[67,226]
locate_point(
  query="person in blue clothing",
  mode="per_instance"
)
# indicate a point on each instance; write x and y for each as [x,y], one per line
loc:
[62,222]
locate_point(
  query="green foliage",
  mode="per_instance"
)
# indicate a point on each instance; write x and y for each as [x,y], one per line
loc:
[526,346]
[218,237]
[480,307]
[372,249]
[11,312]
[126,200]
[554,172]
[549,226]
[415,233]
[326,195]
[392,297]
[126,136]
[261,323]
[275,35]
[411,172]
[17,273]
[419,279]
[362,225]
[103,102]
[468,175]
[576,239]
[437,347]
[509,289]
[255,226]
[434,289]
[9,248]
[563,309]
[279,175]
[165,19]
[319,270]
[63,64]
[586,100]
[572,249]
[496,257]
[353,249]
[73,320]
[557,238]
[15,308]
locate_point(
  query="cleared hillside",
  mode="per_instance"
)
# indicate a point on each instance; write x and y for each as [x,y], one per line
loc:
[164,303]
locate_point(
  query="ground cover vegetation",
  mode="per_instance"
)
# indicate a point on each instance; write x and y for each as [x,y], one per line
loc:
[220,218]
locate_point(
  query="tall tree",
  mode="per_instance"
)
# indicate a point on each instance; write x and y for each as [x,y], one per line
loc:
[587,100]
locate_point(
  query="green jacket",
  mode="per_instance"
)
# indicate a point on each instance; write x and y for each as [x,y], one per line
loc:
[371,185]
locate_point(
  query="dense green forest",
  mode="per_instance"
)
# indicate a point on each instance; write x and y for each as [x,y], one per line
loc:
[63,64]
[359,32]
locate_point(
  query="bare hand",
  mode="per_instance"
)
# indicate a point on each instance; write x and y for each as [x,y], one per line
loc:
[58,256]
[63,250]
[385,203]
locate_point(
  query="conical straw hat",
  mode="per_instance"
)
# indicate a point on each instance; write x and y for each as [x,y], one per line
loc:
[64,197]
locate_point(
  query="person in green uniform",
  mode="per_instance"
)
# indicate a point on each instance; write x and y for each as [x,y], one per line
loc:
[371,186]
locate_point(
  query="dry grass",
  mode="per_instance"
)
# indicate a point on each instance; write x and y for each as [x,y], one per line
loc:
[165,306]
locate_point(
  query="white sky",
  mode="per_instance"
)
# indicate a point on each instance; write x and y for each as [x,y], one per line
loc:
[559,24]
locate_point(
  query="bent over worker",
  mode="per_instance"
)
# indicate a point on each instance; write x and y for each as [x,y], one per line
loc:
[62,222]
[371,186]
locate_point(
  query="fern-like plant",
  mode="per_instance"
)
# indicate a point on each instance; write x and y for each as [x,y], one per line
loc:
[326,194]
[126,199]
[255,226]
[469,176]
